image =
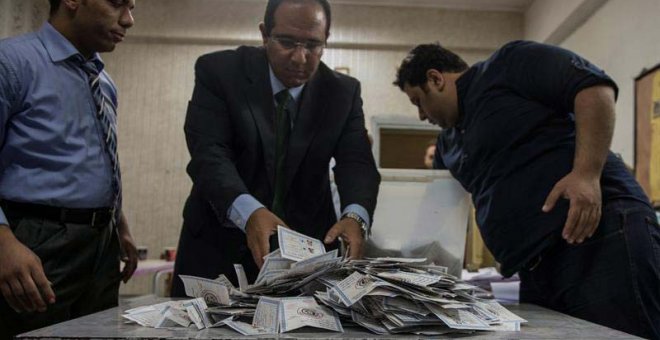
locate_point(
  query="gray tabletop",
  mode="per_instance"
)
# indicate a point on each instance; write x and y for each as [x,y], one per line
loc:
[542,324]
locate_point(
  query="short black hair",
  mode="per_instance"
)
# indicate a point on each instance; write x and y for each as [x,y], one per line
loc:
[423,58]
[54,5]
[271,7]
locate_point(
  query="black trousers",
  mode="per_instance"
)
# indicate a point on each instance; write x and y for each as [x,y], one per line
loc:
[207,254]
[612,279]
[82,263]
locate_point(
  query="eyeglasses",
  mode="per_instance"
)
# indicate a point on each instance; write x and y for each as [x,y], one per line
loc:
[310,46]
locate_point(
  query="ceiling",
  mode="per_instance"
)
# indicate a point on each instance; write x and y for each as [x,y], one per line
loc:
[477,5]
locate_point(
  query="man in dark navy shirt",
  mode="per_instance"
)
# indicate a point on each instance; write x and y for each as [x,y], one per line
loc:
[527,132]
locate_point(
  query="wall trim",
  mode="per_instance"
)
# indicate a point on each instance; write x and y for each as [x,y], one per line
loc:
[172,40]
[574,21]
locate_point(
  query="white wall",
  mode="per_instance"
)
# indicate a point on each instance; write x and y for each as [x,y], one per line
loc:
[622,37]
[551,21]
[5,8]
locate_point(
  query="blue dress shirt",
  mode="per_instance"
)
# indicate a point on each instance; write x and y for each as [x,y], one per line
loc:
[244,205]
[53,149]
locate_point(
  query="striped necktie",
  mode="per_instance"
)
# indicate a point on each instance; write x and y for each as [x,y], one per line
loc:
[282,129]
[106,114]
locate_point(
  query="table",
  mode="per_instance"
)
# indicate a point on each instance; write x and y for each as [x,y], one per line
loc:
[542,324]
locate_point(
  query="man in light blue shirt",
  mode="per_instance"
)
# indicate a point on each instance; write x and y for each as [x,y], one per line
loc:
[60,202]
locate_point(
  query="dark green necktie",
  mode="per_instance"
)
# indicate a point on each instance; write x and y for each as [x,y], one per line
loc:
[282,129]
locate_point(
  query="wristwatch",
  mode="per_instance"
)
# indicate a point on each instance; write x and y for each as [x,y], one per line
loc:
[366,231]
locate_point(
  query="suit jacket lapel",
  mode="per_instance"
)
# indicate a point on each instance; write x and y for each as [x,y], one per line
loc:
[259,96]
[308,121]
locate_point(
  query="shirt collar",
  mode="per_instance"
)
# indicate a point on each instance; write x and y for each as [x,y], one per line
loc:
[60,48]
[277,86]
[462,87]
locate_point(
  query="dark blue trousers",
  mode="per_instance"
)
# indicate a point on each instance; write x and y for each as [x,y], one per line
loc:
[612,279]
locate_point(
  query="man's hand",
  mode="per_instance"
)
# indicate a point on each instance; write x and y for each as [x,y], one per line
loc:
[585,205]
[260,226]
[594,125]
[129,254]
[351,232]
[22,279]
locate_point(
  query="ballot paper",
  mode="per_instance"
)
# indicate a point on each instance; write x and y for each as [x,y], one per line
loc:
[382,292]
[151,316]
[497,316]
[145,318]
[196,309]
[411,278]
[397,259]
[371,324]
[156,307]
[404,305]
[245,328]
[242,278]
[300,312]
[213,292]
[280,282]
[273,265]
[266,316]
[354,287]
[457,318]
[331,255]
[296,246]
[172,317]
[301,285]
[222,311]
[274,253]
[223,280]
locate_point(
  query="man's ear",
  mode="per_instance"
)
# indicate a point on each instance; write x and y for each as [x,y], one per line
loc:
[264,35]
[71,5]
[435,78]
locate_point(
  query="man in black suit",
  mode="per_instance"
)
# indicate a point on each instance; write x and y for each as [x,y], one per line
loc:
[261,127]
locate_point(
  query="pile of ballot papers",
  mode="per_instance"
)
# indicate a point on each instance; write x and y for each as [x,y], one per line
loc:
[302,285]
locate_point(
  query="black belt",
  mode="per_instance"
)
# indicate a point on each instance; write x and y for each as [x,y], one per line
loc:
[95,217]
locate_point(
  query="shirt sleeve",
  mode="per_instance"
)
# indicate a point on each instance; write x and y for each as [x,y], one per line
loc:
[8,90]
[551,75]
[359,210]
[239,212]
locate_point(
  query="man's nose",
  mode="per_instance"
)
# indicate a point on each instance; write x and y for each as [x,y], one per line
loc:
[299,54]
[126,20]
